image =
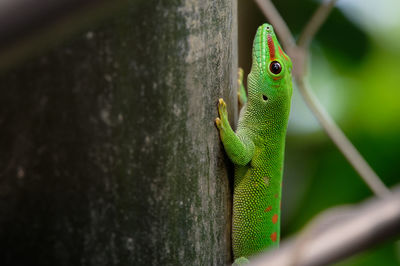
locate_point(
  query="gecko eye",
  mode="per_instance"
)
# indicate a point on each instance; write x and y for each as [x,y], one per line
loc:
[275,67]
[265,98]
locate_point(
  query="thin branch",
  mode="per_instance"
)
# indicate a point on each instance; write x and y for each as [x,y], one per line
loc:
[279,24]
[298,55]
[342,142]
[315,23]
[355,231]
[317,225]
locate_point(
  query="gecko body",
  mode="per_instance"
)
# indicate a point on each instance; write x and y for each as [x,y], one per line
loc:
[257,146]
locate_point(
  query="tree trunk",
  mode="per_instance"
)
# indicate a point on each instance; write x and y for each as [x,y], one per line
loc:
[109,154]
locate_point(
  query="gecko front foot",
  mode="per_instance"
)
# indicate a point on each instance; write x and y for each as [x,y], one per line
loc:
[222,121]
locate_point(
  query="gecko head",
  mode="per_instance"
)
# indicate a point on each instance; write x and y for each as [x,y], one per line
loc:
[270,79]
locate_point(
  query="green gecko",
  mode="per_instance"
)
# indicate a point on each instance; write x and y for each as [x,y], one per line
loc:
[257,147]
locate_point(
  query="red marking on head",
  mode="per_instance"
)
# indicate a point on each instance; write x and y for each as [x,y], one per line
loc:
[275,218]
[282,53]
[273,236]
[271,47]
[268,209]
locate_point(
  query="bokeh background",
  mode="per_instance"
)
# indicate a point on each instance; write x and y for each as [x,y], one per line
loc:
[354,69]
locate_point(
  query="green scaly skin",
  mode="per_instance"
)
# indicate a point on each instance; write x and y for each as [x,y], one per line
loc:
[257,147]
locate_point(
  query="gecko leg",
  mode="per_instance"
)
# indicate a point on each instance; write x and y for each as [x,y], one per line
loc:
[242,95]
[240,149]
[241,261]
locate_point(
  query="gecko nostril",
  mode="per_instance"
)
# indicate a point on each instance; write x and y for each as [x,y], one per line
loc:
[265,98]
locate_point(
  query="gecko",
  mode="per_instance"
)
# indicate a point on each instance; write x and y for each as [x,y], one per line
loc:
[257,147]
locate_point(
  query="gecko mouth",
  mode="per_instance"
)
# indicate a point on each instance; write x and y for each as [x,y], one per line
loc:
[265,98]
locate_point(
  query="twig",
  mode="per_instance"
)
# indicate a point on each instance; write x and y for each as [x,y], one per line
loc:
[355,231]
[298,55]
[319,224]
[342,142]
[315,23]
[279,24]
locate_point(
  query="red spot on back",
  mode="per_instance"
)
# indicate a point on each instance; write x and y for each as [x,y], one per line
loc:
[276,195]
[275,218]
[268,209]
[271,47]
[273,236]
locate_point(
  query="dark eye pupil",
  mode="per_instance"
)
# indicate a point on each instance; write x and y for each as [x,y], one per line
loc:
[275,67]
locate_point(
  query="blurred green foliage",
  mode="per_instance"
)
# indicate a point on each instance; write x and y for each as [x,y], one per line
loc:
[355,72]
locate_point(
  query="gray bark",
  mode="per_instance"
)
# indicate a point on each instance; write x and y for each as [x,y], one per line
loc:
[109,154]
